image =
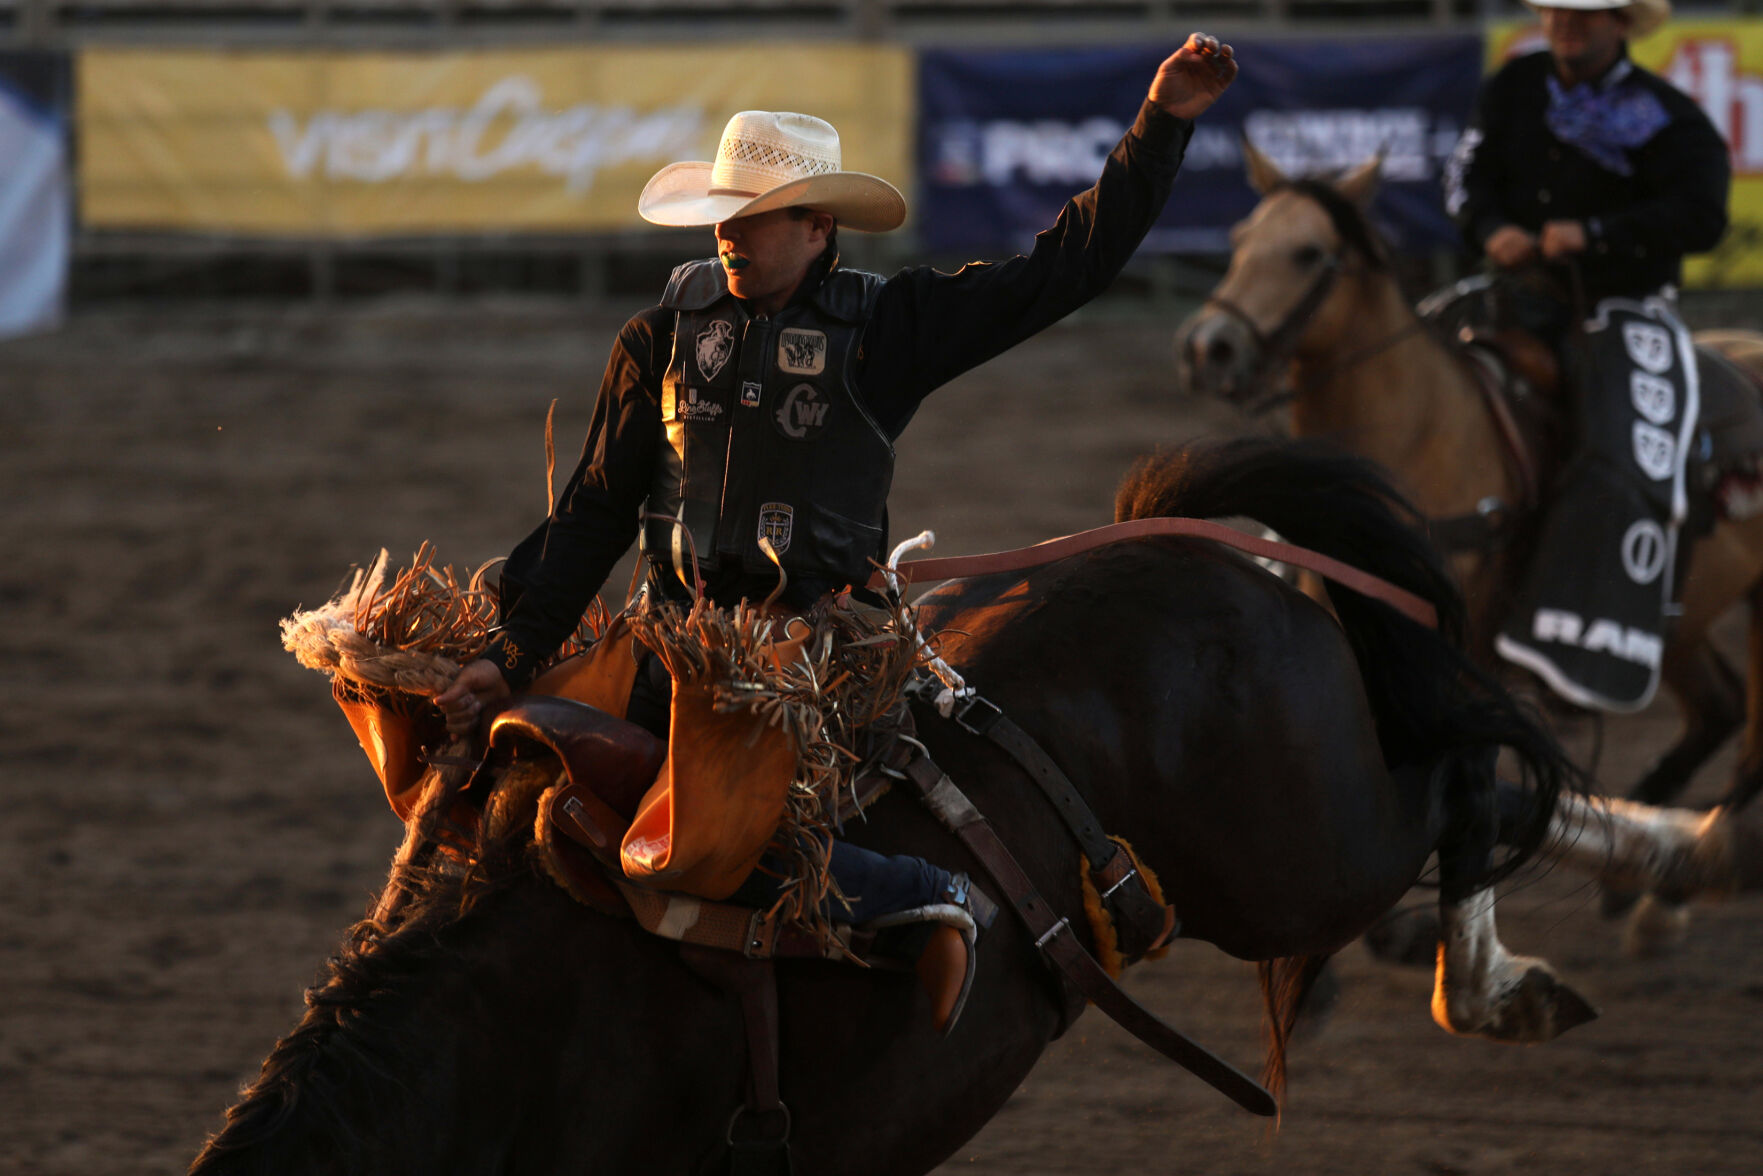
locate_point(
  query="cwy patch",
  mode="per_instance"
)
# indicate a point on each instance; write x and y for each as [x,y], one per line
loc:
[802,415]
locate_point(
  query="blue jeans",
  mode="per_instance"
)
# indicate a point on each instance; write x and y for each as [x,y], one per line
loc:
[877,884]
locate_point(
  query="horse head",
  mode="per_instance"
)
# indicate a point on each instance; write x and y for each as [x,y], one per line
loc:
[1288,286]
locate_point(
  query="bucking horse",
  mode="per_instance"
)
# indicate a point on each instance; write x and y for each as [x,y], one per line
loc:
[1282,770]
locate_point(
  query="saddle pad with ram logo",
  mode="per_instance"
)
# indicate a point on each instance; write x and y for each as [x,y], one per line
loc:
[1591,618]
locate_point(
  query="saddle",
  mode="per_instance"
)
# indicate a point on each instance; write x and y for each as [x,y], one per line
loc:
[1727,463]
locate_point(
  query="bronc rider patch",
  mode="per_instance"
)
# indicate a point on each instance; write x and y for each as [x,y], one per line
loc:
[715,344]
[802,352]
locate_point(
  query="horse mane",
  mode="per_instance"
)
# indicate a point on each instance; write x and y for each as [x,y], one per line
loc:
[1349,220]
[343,1055]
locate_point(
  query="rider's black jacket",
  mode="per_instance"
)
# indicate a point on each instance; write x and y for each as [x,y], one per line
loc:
[925,328]
[1509,168]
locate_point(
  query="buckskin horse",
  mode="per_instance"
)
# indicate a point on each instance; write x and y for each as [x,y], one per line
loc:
[1285,771]
[1311,299]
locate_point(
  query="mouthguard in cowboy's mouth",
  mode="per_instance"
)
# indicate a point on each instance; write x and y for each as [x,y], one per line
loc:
[734,261]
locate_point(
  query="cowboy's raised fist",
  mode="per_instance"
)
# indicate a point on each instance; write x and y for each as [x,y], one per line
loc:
[1193,77]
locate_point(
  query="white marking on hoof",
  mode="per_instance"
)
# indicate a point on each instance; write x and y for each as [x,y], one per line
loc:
[1483,990]
[1636,847]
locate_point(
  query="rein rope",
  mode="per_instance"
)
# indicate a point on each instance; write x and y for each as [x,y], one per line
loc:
[958,567]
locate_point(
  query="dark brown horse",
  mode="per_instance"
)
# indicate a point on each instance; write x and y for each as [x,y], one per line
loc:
[1286,773]
[1312,303]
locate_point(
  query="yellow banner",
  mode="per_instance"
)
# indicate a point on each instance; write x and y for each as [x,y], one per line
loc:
[1719,63]
[352,144]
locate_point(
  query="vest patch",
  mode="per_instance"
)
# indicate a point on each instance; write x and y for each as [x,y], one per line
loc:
[750,390]
[697,408]
[715,344]
[776,523]
[801,352]
[802,415]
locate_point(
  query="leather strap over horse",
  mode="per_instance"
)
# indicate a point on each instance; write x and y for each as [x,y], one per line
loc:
[1058,943]
[1147,923]
[959,567]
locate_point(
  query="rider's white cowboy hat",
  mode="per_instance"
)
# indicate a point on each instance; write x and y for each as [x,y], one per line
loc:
[767,160]
[1643,15]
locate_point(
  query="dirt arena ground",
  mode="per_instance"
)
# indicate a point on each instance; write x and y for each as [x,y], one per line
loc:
[188,825]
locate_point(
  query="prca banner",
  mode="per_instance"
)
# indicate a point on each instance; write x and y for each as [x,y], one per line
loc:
[1008,136]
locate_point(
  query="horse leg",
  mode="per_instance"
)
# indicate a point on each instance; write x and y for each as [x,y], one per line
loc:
[1674,855]
[1481,989]
[1747,778]
[1659,923]
[1713,702]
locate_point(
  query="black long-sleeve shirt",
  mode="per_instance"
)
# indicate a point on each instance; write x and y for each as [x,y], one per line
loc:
[1510,169]
[927,328]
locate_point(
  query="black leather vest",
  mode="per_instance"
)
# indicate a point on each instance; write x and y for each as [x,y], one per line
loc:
[765,434]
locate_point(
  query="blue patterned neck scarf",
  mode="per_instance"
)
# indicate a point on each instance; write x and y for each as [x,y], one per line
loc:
[1605,119]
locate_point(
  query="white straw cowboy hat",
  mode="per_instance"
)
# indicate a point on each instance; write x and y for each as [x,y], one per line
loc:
[1643,15]
[770,160]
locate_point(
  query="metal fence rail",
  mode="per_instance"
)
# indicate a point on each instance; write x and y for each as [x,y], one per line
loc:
[62,22]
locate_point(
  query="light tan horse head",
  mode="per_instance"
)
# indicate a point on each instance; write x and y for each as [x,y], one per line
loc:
[1291,286]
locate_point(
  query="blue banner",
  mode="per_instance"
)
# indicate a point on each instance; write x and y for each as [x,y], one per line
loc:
[1007,136]
[34,200]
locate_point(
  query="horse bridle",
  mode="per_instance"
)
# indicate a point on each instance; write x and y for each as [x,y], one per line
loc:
[1276,346]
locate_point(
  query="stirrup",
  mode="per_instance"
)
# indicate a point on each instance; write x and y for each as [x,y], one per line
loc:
[946,964]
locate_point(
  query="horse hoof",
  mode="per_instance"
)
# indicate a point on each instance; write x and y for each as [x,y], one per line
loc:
[1539,1006]
[1656,928]
[1614,903]
[1409,938]
[1571,1009]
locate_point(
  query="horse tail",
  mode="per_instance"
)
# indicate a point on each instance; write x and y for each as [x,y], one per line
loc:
[1431,704]
[1285,984]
